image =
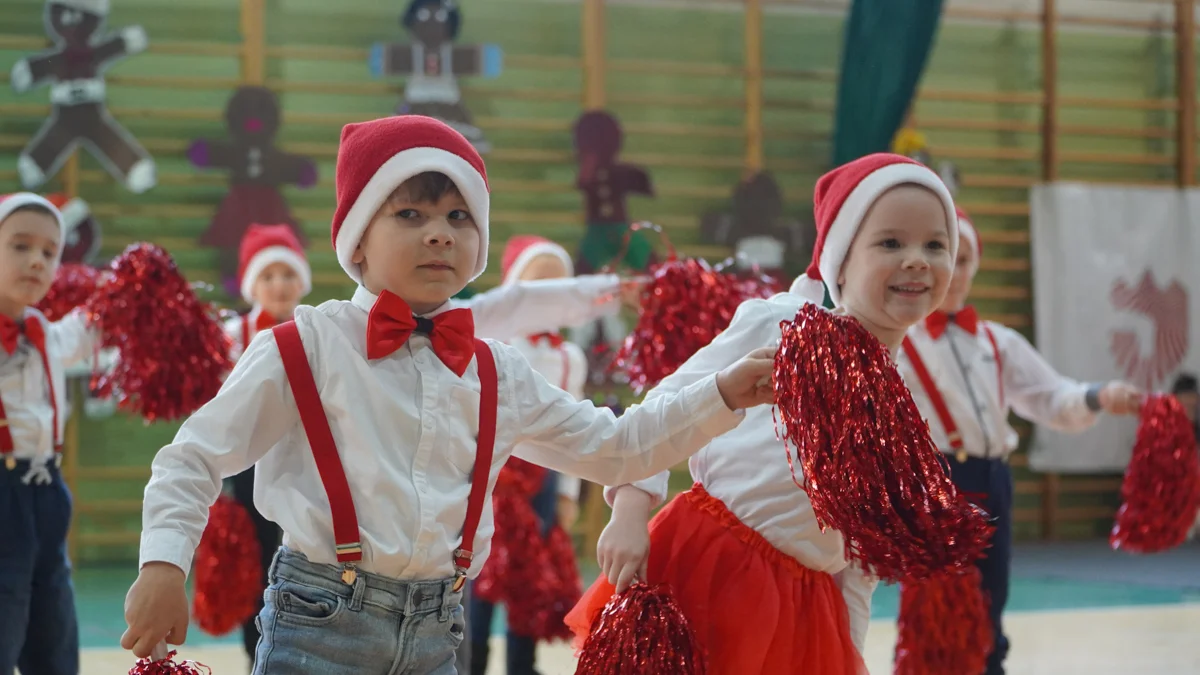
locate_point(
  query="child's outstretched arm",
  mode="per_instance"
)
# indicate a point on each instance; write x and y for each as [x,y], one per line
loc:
[251,413]
[578,438]
[547,305]
[76,341]
[1040,394]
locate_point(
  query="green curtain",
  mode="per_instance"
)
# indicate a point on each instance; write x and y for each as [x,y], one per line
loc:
[884,49]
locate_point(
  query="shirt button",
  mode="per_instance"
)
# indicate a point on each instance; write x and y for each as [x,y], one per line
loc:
[428,424]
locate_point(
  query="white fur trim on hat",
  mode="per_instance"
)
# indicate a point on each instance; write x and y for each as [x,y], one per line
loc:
[970,238]
[269,256]
[849,218]
[98,7]
[402,166]
[541,248]
[16,200]
[74,212]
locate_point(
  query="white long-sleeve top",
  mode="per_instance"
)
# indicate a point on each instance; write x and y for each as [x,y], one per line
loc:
[505,311]
[566,367]
[963,367]
[747,468]
[405,428]
[26,390]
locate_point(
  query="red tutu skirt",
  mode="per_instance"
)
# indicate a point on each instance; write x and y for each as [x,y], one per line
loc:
[754,610]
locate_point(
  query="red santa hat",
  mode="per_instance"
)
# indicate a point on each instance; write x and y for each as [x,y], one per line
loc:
[970,236]
[376,157]
[841,201]
[265,245]
[73,209]
[523,248]
[11,202]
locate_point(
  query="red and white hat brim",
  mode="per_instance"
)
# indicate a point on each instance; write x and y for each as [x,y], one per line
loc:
[970,238]
[533,251]
[269,256]
[845,226]
[402,166]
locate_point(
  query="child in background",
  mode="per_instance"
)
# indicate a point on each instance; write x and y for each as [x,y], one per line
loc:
[966,376]
[274,276]
[1185,389]
[380,423]
[39,632]
[766,591]
[529,258]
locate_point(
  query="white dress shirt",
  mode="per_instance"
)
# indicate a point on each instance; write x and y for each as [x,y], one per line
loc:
[26,390]
[564,366]
[405,427]
[963,366]
[747,468]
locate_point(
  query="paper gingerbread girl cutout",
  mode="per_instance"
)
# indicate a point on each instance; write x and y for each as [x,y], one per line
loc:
[257,170]
[762,236]
[432,64]
[74,70]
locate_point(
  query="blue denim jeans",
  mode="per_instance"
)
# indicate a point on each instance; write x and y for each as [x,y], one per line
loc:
[314,623]
[39,632]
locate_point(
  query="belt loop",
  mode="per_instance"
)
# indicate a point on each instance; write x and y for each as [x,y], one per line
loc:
[360,590]
[447,605]
[273,570]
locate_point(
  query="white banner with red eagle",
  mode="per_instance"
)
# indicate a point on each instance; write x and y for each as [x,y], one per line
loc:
[1113,271]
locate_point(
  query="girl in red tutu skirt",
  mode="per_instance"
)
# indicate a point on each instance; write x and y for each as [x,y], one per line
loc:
[764,589]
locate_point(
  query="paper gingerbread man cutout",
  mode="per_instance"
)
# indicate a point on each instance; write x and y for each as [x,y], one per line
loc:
[257,170]
[432,64]
[762,236]
[74,70]
[82,243]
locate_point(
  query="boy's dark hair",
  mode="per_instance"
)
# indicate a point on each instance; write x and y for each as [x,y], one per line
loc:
[34,208]
[429,186]
[1186,383]
[453,16]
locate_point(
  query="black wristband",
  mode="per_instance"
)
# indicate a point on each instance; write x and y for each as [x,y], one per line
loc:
[1092,398]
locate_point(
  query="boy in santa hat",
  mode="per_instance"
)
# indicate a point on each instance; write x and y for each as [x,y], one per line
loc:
[564,364]
[378,425]
[766,588]
[39,632]
[966,376]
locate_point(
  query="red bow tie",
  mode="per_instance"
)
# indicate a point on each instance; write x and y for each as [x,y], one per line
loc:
[391,322]
[966,318]
[264,321]
[554,339]
[10,331]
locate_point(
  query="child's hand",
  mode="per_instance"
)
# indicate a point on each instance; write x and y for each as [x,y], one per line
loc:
[747,383]
[568,512]
[1121,398]
[624,546]
[156,609]
[631,291]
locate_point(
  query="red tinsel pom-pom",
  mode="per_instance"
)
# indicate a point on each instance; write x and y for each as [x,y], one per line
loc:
[515,572]
[173,352]
[641,631]
[565,586]
[944,625]
[73,285]
[228,571]
[686,304]
[867,461]
[1161,491]
[168,666]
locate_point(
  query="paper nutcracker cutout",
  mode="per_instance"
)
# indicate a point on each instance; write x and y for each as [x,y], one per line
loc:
[74,70]
[83,232]
[432,65]
[257,169]
[757,229]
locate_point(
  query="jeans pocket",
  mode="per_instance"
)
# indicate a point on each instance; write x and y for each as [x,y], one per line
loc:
[458,625]
[306,605]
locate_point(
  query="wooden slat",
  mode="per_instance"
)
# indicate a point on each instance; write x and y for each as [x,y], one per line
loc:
[1026,514]
[986,292]
[108,506]
[989,264]
[1078,486]
[1185,91]
[666,67]
[1143,159]
[963,96]
[985,180]
[1008,319]
[156,46]
[1076,514]
[1004,236]
[979,152]
[1118,103]
[1027,487]
[996,208]
[113,473]
[102,539]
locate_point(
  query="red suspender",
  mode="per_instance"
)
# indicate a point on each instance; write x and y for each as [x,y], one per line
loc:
[999,364]
[935,397]
[333,475]
[37,337]
[246,332]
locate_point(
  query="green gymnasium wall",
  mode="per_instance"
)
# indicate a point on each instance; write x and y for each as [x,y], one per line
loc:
[674,79]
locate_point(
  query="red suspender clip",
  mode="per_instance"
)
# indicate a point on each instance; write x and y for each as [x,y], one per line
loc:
[333,475]
[935,397]
[7,445]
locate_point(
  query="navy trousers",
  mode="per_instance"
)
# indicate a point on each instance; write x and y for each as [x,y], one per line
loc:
[989,483]
[269,538]
[521,650]
[39,632]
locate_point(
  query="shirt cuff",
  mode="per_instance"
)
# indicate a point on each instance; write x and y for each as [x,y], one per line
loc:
[605,291]
[167,546]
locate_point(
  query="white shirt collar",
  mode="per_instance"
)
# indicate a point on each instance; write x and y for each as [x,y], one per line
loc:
[365,300]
